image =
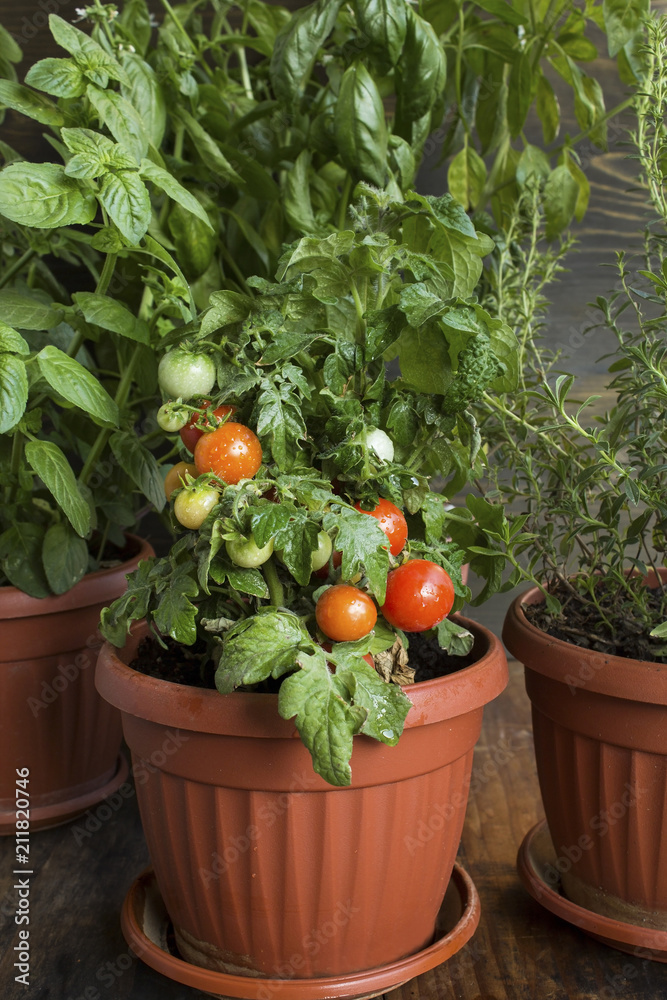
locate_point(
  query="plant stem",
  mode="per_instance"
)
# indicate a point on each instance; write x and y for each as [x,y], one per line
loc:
[276,594]
[16,267]
[107,273]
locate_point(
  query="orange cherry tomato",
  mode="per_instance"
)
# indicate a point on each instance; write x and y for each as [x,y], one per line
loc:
[175,478]
[231,452]
[345,613]
[190,434]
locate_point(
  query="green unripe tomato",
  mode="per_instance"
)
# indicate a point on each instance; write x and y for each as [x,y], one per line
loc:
[192,507]
[171,417]
[246,552]
[381,444]
[183,375]
[320,556]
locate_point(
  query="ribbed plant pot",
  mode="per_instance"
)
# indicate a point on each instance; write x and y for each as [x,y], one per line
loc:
[52,721]
[264,868]
[600,729]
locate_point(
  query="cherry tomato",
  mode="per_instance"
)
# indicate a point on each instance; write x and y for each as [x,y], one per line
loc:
[419,595]
[392,522]
[175,478]
[381,444]
[190,434]
[182,374]
[231,452]
[246,552]
[345,613]
[192,507]
[320,556]
[171,417]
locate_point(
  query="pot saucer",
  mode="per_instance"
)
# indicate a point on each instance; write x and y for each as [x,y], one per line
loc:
[148,931]
[537,856]
[44,817]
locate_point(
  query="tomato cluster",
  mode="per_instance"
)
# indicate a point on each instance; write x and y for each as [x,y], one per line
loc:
[419,592]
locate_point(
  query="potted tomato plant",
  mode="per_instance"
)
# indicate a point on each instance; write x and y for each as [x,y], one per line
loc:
[590,632]
[314,566]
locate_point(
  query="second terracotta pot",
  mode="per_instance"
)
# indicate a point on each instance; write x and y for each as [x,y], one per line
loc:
[600,732]
[53,724]
[264,868]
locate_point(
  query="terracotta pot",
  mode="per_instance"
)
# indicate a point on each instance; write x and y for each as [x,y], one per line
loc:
[264,868]
[52,721]
[601,750]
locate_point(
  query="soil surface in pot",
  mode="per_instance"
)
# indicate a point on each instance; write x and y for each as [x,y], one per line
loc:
[580,624]
[191,665]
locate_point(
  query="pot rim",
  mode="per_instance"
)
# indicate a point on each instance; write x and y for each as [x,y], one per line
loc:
[616,676]
[206,710]
[94,588]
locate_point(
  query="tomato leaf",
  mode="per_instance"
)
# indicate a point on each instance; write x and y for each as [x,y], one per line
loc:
[260,647]
[71,381]
[175,614]
[133,605]
[364,546]
[52,467]
[325,718]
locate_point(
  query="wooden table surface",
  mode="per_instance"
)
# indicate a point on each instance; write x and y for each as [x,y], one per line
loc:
[519,952]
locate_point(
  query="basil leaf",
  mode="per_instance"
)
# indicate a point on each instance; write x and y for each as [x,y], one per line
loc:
[21,558]
[97,64]
[383,23]
[296,47]
[209,150]
[420,74]
[171,187]
[41,195]
[94,154]
[64,557]
[360,127]
[466,177]
[27,313]
[112,315]
[561,193]
[298,206]
[58,77]
[125,197]
[27,102]
[12,341]
[548,109]
[122,120]
[519,93]
[13,391]
[144,93]
[140,465]
[71,381]
[52,467]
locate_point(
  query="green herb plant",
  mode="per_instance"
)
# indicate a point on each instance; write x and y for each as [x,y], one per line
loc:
[304,360]
[576,498]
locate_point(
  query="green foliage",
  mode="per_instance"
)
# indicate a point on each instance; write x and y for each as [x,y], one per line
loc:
[590,486]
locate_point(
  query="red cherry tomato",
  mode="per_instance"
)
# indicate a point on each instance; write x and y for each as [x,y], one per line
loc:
[345,613]
[191,434]
[231,452]
[392,522]
[419,595]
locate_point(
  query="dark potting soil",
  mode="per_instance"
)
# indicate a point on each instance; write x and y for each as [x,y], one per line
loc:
[580,625]
[190,664]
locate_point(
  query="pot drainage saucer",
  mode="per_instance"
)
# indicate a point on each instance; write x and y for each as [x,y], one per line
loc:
[43,817]
[148,931]
[537,859]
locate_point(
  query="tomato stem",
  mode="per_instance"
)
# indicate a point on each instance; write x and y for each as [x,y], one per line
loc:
[270,572]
